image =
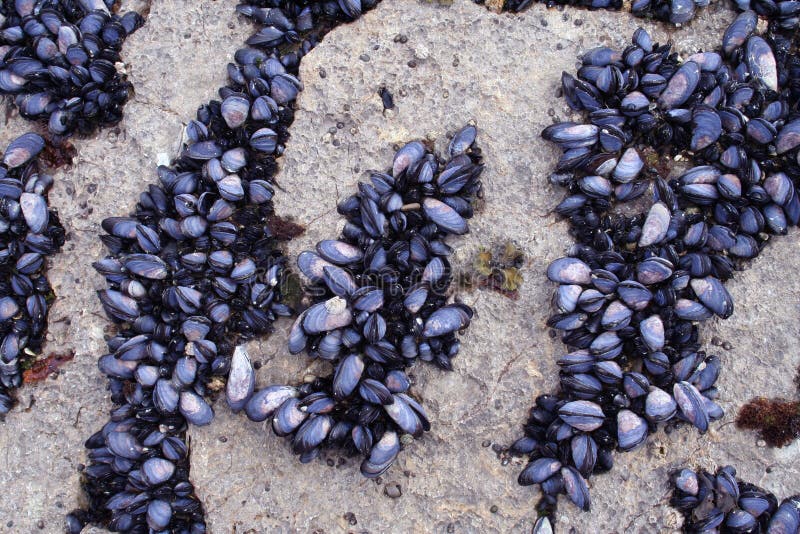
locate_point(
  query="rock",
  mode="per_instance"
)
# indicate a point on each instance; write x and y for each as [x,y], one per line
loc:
[502,73]
[393,491]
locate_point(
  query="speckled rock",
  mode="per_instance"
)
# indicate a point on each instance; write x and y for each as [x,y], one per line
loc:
[457,64]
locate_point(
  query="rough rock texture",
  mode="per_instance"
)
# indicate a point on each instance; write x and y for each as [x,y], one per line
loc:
[460,63]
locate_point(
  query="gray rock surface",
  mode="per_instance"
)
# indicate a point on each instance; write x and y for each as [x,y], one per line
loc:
[500,72]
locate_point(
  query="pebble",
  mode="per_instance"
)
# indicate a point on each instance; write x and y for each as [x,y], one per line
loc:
[392,491]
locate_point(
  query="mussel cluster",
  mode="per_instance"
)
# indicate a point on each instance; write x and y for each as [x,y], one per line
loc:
[723,503]
[785,13]
[633,289]
[379,303]
[673,11]
[193,272]
[59,60]
[29,233]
